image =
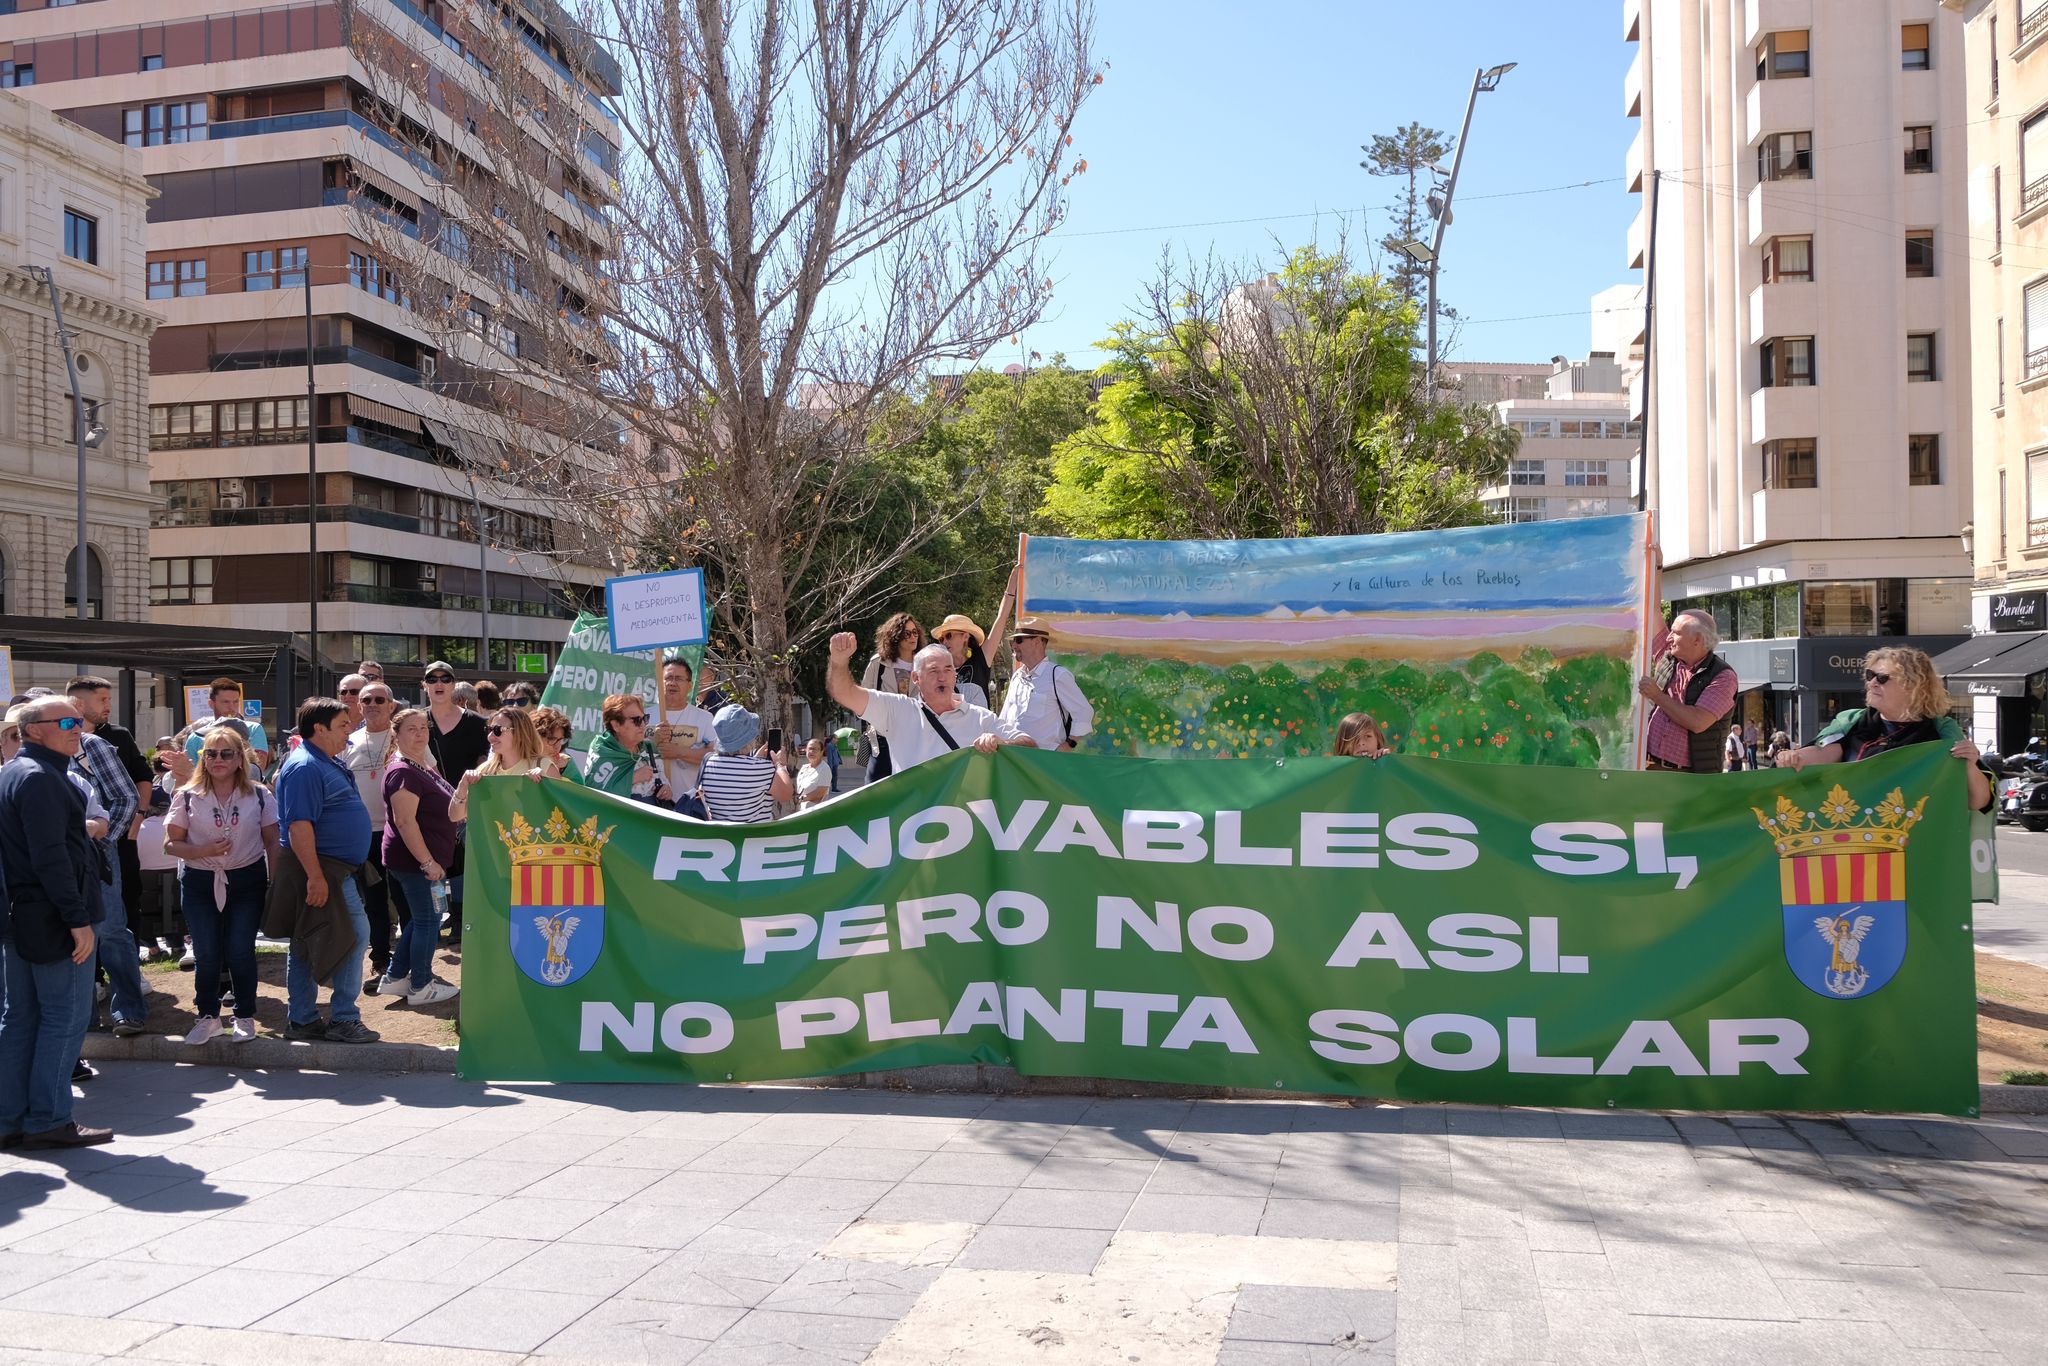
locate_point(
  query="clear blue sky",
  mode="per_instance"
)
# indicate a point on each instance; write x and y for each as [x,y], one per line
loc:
[1234,109]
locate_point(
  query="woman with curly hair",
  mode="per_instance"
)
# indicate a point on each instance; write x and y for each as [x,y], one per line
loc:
[896,644]
[1907,706]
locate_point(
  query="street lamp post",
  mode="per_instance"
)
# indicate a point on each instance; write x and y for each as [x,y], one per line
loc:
[86,431]
[1428,254]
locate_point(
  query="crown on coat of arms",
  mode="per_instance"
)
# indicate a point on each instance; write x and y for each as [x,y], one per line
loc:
[555,841]
[1834,828]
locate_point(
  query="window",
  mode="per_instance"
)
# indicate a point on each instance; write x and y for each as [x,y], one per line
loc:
[371,275]
[1788,258]
[1923,459]
[2034,162]
[2001,515]
[14,74]
[1516,509]
[177,279]
[1913,54]
[177,581]
[1585,473]
[279,268]
[2001,362]
[1993,30]
[1997,210]
[176,426]
[1525,472]
[2037,497]
[1584,507]
[154,63]
[1791,464]
[81,236]
[1919,252]
[1787,362]
[1785,156]
[1537,426]
[262,422]
[2035,362]
[153,125]
[505,339]
[1782,55]
[1919,150]
[1919,356]
[1840,608]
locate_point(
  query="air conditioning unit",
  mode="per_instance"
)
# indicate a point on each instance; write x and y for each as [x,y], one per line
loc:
[429,575]
[231,488]
[231,501]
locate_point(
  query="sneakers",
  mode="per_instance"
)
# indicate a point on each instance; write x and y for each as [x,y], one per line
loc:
[204,1030]
[188,962]
[83,1071]
[351,1031]
[433,993]
[400,985]
[306,1033]
[67,1136]
[127,1029]
[245,1029]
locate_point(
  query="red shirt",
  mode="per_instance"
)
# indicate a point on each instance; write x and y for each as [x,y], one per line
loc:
[1670,741]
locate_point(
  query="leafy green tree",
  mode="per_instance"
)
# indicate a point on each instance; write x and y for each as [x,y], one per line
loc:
[1406,153]
[1285,405]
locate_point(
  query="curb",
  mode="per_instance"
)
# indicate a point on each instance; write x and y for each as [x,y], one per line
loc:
[265,1053]
[2000,1098]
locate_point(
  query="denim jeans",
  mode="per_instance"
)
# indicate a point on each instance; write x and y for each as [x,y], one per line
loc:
[414,956]
[42,1027]
[376,885]
[117,953]
[225,937]
[302,994]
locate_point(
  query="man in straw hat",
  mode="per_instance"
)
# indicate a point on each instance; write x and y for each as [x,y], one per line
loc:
[1044,701]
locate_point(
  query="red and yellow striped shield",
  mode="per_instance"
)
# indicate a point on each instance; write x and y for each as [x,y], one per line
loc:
[557,884]
[1840,879]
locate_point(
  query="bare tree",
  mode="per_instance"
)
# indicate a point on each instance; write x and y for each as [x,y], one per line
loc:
[816,205]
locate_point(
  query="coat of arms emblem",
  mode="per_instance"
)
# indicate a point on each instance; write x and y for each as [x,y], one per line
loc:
[557,912]
[1843,884]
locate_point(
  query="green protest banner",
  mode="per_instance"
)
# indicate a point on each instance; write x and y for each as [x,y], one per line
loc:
[1409,929]
[586,672]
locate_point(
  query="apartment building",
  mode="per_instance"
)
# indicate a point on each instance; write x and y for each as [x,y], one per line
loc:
[2004,670]
[1810,360]
[310,434]
[74,202]
[1578,445]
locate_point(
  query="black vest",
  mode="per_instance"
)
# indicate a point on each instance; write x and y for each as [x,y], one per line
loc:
[1704,748]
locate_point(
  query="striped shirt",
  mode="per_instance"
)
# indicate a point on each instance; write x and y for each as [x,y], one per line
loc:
[736,788]
[100,766]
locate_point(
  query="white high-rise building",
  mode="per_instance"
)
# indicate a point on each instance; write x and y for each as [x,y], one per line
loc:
[1809,354]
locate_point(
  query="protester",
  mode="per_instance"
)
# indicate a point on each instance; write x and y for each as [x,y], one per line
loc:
[553,726]
[1044,701]
[814,779]
[933,723]
[963,639]
[516,751]
[369,749]
[487,699]
[1359,736]
[522,695]
[94,698]
[419,844]
[49,868]
[224,696]
[466,698]
[896,644]
[222,826]
[314,899]
[371,670]
[1907,705]
[101,767]
[622,761]
[1733,750]
[1781,745]
[681,733]
[457,734]
[350,691]
[1693,690]
[1752,744]
[742,780]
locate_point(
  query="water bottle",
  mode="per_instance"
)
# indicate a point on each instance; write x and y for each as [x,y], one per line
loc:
[438,890]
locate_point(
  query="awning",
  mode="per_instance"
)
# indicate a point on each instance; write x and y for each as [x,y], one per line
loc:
[372,411]
[1996,655]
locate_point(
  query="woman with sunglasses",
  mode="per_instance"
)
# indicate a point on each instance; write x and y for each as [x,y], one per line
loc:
[515,752]
[419,844]
[222,827]
[896,644]
[553,726]
[1907,706]
[623,761]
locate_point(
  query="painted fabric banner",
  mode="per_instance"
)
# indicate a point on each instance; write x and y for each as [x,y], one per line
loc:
[1426,931]
[1516,644]
[587,672]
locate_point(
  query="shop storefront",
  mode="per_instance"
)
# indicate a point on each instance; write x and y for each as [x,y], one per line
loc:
[2004,672]
[1798,686]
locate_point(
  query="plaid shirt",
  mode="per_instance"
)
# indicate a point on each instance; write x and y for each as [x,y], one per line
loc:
[101,766]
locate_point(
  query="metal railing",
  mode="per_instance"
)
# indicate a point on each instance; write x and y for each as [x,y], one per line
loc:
[2037,532]
[2034,194]
[2033,23]
[2035,365]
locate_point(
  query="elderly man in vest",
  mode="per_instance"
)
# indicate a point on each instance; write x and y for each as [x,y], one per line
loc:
[1693,690]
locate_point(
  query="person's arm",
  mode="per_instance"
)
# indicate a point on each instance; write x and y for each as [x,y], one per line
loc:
[780,787]
[271,851]
[308,855]
[403,807]
[1080,711]
[458,805]
[1796,759]
[1002,617]
[44,813]
[839,680]
[1712,708]
[178,842]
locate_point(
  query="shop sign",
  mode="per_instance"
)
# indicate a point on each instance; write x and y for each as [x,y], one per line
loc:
[1995,687]
[2019,611]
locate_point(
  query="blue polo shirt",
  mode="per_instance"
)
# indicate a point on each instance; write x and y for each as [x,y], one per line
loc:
[312,787]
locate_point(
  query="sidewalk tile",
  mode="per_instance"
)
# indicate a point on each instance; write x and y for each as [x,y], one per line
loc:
[642,1225]
[738,1279]
[744,1155]
[21,1270]
[337,1250]
[1341,1219]
[773,1337]
[1358,1319]
[1066,1209]
[819,1196]
[359,1307]
[483,1175]
[581,1182]
[625,1332]
[940,1204]
[1090,1173]
[386,1172]
[499,1319]
[588,1268]
[457,1259]
[1197,1213]
[529,1216]
[1022,1248]
[102,1289]
[1211,1178]
[102,1234]
[415,1211]
[863,1164]
[973,1168]
[233,1297]
[26,1330]
[905,1244]
[304,1206]
[864,1289]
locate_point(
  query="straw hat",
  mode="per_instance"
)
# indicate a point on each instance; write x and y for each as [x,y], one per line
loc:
[956,622]
[1030,626]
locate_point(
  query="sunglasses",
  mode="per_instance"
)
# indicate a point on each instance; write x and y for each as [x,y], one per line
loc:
[519,702]
[1873,676]
[494,731]
[60,722]
[351,692]
[376,701]
[438,680]
[632,720]
[220,754]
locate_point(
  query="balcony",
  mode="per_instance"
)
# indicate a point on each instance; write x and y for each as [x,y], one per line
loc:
[336,197]
[283,516]
[1632,88]
[1632,165]
[322,355]
[1787,308]
[2035,365]
[1777,107]
[325,118]
[2033,28]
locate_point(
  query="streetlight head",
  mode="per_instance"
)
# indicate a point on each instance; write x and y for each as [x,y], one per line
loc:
[1490,78]
[1418,252]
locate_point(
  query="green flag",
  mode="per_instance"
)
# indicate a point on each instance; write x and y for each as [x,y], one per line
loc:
[587,672]
[1418,929]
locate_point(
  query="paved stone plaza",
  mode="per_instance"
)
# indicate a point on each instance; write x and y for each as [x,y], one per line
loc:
[291,1217]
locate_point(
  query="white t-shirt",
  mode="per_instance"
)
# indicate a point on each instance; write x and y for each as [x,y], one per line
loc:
[900,720]
[681,777]
[365,756]
[1034,701]
[808,778]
